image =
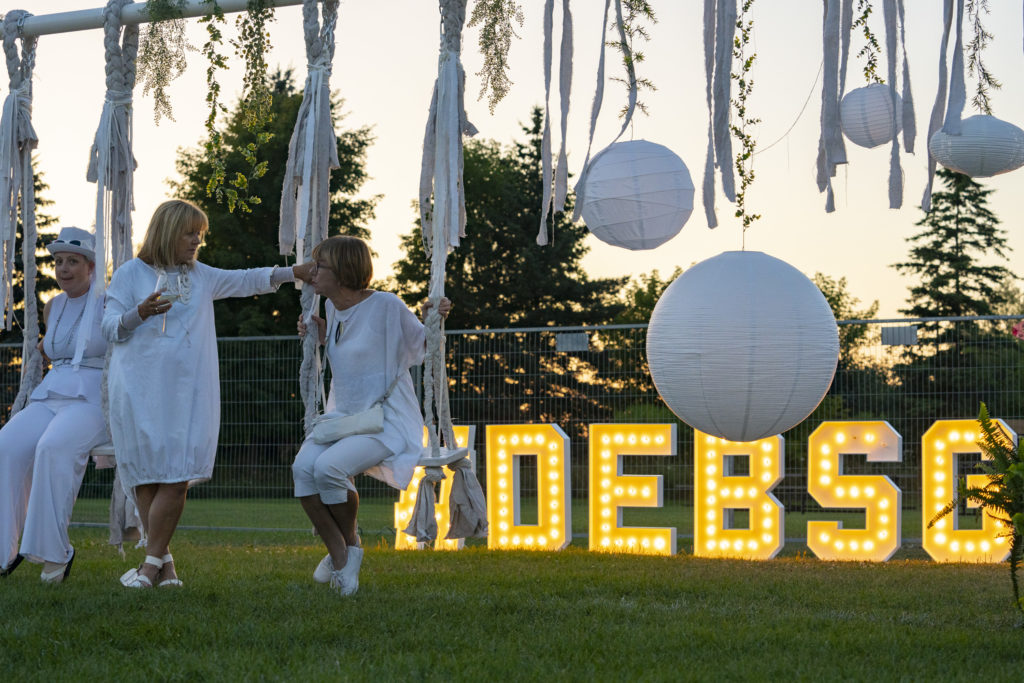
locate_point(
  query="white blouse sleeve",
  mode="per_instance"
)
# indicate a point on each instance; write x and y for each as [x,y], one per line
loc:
[225,284]
[120,313]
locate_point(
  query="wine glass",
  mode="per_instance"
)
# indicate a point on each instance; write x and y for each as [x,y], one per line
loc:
[167,293]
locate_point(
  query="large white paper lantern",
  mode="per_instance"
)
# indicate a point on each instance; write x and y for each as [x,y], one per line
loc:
[637,195]
[986,146]
[742,346]
[866,115]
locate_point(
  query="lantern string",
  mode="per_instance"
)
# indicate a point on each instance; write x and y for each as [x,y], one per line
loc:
[799,114]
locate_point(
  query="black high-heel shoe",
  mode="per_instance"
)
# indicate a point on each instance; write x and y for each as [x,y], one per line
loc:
[14,565]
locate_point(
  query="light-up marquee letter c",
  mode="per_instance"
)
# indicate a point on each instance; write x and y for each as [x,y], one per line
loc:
[719,492]
[941,445]
[611,490]
[876,494]
[506,444]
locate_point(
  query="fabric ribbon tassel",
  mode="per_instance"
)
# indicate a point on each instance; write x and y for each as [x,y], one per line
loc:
[467,507]
[423,524]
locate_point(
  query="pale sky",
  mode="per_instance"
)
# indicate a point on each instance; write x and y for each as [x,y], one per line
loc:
[385,65]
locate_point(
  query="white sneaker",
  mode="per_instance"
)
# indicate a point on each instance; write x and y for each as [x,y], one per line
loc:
[322,574]
[351,568]
[340,582]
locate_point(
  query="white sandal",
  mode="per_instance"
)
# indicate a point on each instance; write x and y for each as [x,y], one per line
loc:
[167,583]
[133,578]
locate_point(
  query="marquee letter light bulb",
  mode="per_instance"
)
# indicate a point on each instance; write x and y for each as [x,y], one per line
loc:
[941,445]
[550,445]
[717,493]
[611,490]
[880,498]
[464,434]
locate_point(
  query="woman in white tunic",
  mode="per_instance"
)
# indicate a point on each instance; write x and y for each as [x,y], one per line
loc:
[163,380]
[45,447]
[372,340]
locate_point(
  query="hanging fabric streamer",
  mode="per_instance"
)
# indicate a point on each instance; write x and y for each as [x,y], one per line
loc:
[909,125]
[443,223]
[561,171]
[17,198]
[306,195]
[719,33]
[935,122]
[845,34]
[895,171]
[599,96]
[112,167]
[831,149]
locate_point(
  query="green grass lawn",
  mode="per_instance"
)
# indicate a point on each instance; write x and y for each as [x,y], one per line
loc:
[250,610]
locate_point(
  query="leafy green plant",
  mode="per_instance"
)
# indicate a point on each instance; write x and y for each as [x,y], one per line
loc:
[1003,496]
[214,145]
[161,56]
[870,49]
[985,80]
[743,122]
[495,18]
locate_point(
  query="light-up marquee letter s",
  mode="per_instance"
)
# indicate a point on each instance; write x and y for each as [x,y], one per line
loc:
[611,490]
[941,445]
[719,493]
[464,434]
[506,445]
[876,494]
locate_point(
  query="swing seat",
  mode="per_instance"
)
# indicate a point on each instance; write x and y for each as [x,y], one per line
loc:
[446,457]
[103,456]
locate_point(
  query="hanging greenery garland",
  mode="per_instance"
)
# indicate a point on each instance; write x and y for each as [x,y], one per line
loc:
[985,80]
[495,18]
[744,121]
[252,45]
[636,12]
[214,145]
[162,48]
[871,49]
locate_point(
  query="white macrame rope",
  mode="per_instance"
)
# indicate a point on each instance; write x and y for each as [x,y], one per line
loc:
[17,141]
[306,195]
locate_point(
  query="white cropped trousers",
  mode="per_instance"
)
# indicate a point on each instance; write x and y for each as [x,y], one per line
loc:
[43,453]
[327,469]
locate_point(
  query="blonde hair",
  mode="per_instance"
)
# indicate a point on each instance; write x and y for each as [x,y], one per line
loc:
[170,221]
[349,258]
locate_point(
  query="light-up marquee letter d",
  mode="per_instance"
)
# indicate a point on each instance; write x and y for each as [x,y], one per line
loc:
[506,444]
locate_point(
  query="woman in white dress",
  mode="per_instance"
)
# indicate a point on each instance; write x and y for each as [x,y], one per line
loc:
[45,447]
[372,340]
[163,380]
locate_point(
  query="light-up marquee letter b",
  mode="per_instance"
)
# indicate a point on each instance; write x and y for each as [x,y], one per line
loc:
[506,445]
[719,493]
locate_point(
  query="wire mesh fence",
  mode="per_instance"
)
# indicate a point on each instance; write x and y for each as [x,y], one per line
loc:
[908,372]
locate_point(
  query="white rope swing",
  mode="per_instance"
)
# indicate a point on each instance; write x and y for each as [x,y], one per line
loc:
[306,195]
[17,142]
[443,223]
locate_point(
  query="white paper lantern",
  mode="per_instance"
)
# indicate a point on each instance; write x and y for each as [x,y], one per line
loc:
[742,346]
[986,146]
[866,115]
[638,195]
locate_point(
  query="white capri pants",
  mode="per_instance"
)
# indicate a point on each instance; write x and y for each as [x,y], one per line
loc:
[327,469]
[43,453]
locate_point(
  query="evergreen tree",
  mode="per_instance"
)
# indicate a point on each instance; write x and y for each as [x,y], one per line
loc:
[499,277]
[46,286]
[958,233]
[246,240]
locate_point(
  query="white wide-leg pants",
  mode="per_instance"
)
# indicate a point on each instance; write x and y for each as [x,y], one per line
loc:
[43,453]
